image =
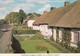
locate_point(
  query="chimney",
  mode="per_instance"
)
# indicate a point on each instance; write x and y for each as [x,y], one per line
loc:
[52,8]
[66,3]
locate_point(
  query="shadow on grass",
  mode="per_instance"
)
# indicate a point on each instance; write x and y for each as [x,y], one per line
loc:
[16,46]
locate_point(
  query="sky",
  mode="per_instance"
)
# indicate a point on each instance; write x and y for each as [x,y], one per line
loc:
[29,6]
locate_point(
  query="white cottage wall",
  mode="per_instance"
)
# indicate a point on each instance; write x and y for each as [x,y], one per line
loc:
[54,33]
[46,31]
[30,23]
[35,27]
[60,34]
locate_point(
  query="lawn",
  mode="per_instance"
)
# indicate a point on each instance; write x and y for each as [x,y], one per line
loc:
[30,46]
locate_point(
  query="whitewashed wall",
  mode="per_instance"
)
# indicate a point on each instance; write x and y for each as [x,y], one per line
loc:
[30,23]
[46,31]
[54,33]
[36,27]
[60,34]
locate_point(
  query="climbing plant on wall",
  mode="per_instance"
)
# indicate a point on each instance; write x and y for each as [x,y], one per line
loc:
[66,38]
[57,36]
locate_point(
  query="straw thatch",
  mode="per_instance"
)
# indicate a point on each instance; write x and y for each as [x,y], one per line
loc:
[68,17]
[40,19]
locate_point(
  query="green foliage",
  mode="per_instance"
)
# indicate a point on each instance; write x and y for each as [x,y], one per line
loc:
[78,47]
[25,31]
[22,15]
[29,46]
[66,38]
[51,38]
[15,17]
[2,22]
[38,36]
[12,17]
[57,36]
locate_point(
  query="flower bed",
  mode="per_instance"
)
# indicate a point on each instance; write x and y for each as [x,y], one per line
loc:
[42,48]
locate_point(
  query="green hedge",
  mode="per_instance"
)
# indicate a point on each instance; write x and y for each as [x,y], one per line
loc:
[24,31]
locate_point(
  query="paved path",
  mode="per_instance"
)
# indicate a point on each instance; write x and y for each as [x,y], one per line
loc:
[5,41]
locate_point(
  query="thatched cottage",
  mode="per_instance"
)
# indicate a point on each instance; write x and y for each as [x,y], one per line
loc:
[42,22]
[68,19]
[30,19]
[62,23]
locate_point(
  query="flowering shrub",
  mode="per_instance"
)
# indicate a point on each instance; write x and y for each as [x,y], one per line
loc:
[41,48]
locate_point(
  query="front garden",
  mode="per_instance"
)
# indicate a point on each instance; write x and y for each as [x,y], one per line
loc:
[37,44]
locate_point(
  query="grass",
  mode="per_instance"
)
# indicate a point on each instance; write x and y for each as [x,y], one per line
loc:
[29,46]
[37,44]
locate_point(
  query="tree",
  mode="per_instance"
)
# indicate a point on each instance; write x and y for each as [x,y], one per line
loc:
[2,22]
[12,17]
[22,15]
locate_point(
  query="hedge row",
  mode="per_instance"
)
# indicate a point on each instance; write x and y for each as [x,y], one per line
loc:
[24,31]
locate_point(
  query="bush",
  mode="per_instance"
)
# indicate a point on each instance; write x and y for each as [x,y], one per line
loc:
[51,38]
[66,38]
[25,31]
[38,36]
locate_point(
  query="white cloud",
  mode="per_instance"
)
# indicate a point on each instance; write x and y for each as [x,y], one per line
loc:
[3,12]
[4,2]
[57,1]
[45,8]
[38,1]
[22,6]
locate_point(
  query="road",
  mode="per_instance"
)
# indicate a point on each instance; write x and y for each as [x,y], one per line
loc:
[5,41]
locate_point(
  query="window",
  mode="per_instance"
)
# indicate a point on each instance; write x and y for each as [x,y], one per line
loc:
[76,37]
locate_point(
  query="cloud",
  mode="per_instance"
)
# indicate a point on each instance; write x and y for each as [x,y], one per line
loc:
[38,1]
[4,2]
[45,8]
[22,6]
[3,12]
[57,0]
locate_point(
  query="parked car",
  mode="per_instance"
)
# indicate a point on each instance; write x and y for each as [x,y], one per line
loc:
[4,30]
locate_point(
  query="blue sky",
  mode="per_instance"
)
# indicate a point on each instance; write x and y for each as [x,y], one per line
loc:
[29,6]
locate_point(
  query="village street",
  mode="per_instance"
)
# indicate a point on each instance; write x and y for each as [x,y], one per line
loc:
[5,41]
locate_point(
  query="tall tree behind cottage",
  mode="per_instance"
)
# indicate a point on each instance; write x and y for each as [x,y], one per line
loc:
[22,16]
[15,17]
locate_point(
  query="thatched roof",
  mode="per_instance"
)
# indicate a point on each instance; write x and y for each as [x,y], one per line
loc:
[32,16]
[50,15]
[40,19]
[68,17]
[46,17]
